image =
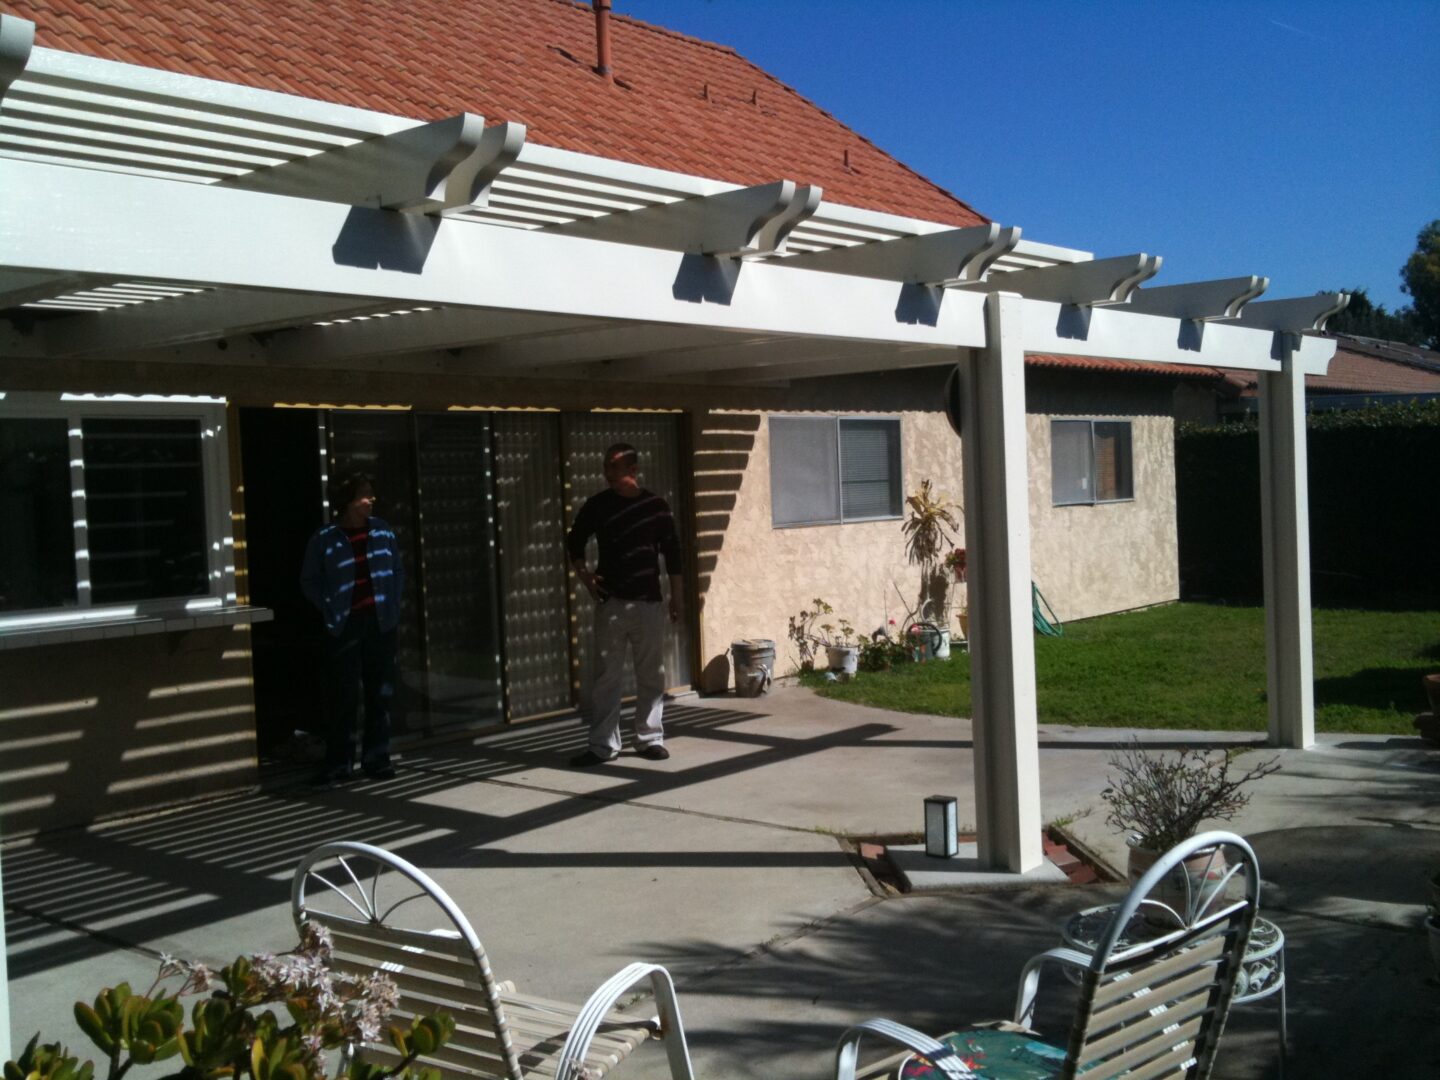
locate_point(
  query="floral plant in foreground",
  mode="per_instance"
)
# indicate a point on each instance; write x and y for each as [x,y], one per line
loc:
[233,1035]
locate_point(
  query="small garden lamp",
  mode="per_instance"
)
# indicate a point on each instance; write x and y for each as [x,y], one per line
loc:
[941,827]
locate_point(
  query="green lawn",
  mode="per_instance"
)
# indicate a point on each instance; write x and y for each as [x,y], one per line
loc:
[1190,666]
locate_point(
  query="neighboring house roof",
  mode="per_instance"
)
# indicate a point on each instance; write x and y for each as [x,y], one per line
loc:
[1134,367]
[1362,366]
[678,103]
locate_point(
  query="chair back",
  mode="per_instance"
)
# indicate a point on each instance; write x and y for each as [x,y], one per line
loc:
[385,915]
[1154,1000]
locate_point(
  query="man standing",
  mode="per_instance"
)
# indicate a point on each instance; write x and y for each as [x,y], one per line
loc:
[353,575]
[634,527]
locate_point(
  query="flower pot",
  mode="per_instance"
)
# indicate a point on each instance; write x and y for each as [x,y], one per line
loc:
[942,647]
[964,620]
[1185,889]
[844,659]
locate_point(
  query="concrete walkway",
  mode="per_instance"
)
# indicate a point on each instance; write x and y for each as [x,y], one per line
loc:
[723,863]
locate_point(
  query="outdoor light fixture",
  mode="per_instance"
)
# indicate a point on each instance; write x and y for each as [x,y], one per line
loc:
[940,827]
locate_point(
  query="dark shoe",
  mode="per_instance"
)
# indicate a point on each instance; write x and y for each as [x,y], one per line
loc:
[328,778]
[589,759]
[385,772]
[655,752]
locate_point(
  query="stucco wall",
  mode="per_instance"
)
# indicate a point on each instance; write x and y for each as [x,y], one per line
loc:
[1090,560]
[99,727]
[753,576]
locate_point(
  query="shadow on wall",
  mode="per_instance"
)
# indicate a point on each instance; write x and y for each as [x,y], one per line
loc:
[91,729]
[723,442]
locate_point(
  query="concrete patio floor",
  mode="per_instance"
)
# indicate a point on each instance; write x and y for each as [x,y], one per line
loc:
[723,863]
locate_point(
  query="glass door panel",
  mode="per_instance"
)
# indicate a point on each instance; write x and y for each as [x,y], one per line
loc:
[457,568]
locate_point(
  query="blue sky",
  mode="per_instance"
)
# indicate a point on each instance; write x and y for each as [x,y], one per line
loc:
[1298,140]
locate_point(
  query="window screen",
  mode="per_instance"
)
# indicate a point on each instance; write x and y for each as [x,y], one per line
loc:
[1112,462]
[145,505]
[1090,461]
[824,470]
[804,471]
[870,469]
[37,527]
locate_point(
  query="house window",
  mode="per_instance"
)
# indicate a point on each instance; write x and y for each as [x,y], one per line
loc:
[1090,462]
[110,507]
[827,470]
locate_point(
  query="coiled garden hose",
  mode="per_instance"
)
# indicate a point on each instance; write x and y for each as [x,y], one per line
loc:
[1042,624]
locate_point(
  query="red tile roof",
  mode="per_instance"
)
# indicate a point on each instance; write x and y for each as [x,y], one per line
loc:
[1134,367]
[1353,372]
[679,103]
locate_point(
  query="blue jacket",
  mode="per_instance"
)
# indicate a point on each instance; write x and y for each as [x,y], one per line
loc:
[327,577]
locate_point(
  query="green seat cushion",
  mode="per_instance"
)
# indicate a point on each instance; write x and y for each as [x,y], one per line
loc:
[1001,1055]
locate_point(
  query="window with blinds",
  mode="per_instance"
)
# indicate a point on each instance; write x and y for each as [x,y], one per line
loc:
[826,470]
[145,506]
[1090,462]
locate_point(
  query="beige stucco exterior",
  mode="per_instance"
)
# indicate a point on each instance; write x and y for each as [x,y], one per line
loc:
[1091,560]
[97,728]
[1088,560]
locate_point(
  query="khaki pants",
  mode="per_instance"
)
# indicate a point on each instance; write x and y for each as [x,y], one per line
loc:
[637,625]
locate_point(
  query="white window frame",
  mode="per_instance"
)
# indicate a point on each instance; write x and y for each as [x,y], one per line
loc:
[74,409]
[838,418]
[1092,421]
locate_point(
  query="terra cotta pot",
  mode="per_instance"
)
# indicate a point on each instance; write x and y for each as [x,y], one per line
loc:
[1187,885]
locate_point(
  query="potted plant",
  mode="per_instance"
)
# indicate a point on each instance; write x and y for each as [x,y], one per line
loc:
[929,529]
[958,565]
[842,650]
[1159,799]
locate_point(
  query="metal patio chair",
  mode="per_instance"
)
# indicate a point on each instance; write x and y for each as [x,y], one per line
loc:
[379,910]
[1153,996]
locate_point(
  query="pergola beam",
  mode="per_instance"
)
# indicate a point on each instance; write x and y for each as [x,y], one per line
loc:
[942,258]
[143,228]
[425,169]
[1198,300]
[744,223]
[1099,281]
[1293,316]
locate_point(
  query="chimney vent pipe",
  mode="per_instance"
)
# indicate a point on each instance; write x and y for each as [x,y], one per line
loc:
[602,38]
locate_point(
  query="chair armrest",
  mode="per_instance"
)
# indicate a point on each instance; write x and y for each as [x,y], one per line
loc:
[1030,979]
[571,1064]
[847,1053]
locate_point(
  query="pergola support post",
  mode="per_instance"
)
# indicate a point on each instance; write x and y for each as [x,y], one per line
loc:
[1285,525]
[1002,646]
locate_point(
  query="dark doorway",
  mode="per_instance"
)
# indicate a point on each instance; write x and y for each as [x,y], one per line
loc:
[280,463]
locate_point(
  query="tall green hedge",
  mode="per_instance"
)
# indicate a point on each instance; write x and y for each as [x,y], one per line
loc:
[1374,508]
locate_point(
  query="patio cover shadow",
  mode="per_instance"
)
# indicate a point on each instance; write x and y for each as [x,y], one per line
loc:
[167,874]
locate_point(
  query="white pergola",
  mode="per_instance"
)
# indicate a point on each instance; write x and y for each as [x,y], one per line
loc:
[208,223]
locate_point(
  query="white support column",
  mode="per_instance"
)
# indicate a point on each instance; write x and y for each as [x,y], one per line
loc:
[1002,645]
[1285,525]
